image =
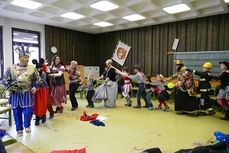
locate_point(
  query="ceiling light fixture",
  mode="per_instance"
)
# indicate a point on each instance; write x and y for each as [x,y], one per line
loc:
[103,24]
[104,6]
[26,4]
[177,8]
[134,17]
[72,15]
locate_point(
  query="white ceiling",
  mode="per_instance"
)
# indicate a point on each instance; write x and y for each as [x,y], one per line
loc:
[51,10]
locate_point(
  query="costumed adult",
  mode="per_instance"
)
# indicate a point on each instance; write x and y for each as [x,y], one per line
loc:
[185,100]
[41,96]
[223,96]
[107,91]
[57,86]
[23,81]
[75,80]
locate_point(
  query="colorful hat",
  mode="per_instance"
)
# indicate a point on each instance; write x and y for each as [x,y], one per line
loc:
[225,63]
[21,51]
[179,62]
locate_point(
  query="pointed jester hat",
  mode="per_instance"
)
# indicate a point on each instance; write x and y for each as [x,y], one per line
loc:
[20,50]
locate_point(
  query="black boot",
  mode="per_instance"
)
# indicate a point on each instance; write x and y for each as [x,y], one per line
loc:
[43,119]
[37,120]
[88,105]
[91,105]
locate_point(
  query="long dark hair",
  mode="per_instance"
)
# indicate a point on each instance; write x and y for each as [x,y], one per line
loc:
[54,59]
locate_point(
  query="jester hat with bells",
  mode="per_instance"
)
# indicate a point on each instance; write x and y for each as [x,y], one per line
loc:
[20,50]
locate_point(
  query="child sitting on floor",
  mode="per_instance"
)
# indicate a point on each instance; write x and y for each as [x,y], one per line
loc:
[149,91]
[90,90]
[161,92]
[126,88]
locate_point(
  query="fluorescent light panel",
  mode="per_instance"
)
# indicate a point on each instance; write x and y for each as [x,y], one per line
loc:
[26,4]
[226,1]
[72,15]
[177,8]
[103,24]
[134,17]
[104,6]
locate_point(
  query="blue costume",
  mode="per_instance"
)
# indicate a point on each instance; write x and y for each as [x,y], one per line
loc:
[22,79]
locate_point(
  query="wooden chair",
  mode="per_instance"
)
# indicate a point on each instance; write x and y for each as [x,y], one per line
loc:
[4,109]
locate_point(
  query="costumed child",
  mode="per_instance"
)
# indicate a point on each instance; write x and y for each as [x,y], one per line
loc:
[126,88]
[41,96]
[205,88]
[90,90]
[140,78]
[75,80]
[22,82]
[161,91]
[149,92]
[223,96]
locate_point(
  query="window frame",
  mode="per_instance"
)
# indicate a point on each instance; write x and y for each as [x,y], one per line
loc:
[26,31]
[1,53]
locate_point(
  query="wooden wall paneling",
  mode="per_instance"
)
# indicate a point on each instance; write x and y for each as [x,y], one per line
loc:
[141,49]
[193,35]
[148,54]
[164,61]
[215,33]
[188,41]
[181,34]
[161,48]
[198,34]
[209,33]
[156,49]
[204,29]
[135,50]
[221,32]
[226,32]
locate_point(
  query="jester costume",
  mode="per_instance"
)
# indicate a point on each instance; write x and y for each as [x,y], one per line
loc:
[22,78]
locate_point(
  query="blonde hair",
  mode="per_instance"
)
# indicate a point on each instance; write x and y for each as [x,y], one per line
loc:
[109,61]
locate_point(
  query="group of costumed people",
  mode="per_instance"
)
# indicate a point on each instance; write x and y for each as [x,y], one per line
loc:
[186,101]
[34,90]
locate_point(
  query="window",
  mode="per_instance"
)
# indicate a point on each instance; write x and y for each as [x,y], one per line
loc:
[1,54]
[29,39]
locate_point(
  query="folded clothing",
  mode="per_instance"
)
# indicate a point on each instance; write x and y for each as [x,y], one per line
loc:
[86,117]
[97,123]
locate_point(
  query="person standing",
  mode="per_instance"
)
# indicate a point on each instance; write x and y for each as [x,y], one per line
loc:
[74,78]
[205,88]
[90,90]
[41,96]
[57,86]
[110,87]
[223,96]
[23,79]
[126,88]
[185,100]
[141,79]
